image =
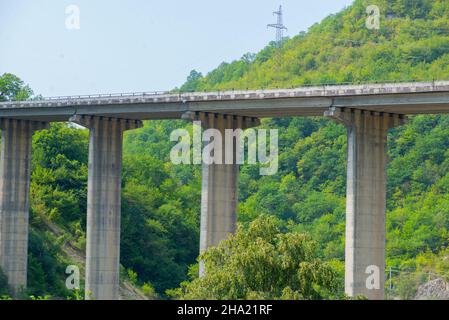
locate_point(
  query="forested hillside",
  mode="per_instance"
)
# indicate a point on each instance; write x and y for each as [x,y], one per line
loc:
[161,201]
[412,44]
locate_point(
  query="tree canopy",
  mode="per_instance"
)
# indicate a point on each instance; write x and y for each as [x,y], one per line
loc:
[261,262]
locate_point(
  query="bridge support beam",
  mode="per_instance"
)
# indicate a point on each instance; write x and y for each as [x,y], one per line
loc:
[15,171]
[104,204]
[365,199]
[219,188]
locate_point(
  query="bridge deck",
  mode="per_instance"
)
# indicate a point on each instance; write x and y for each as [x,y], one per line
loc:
[401,98]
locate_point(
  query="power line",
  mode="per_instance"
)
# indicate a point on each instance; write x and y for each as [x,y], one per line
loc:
[279,26]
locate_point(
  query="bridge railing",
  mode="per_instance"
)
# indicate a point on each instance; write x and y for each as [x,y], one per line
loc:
[108,95]
[306,85]
[325,86]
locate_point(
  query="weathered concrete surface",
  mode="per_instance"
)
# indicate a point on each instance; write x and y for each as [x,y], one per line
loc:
[400,98]
[104,204]
[15,170]
[219,193]
[365,199]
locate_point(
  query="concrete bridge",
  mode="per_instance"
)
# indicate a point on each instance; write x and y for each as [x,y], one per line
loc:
[368,111]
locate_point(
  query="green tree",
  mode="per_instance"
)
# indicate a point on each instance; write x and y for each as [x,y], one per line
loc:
[13,88]
[261,262]
[192,81]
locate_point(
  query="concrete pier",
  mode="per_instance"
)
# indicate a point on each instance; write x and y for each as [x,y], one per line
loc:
[104,204]
[219,195]
[15,171]
[366,199]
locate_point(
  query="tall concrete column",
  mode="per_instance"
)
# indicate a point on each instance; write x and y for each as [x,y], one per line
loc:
[365,199]
[104,204]
[219,187]
[15,171]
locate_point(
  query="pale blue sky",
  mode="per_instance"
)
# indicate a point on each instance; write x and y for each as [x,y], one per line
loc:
[138,45]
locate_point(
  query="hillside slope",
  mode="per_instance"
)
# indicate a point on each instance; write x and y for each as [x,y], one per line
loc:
[308,193]
[411,44]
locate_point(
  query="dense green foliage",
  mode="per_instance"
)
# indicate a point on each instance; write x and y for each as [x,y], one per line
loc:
[160,213]
[261,262]
[159,221]
[13,88]
[411,44]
